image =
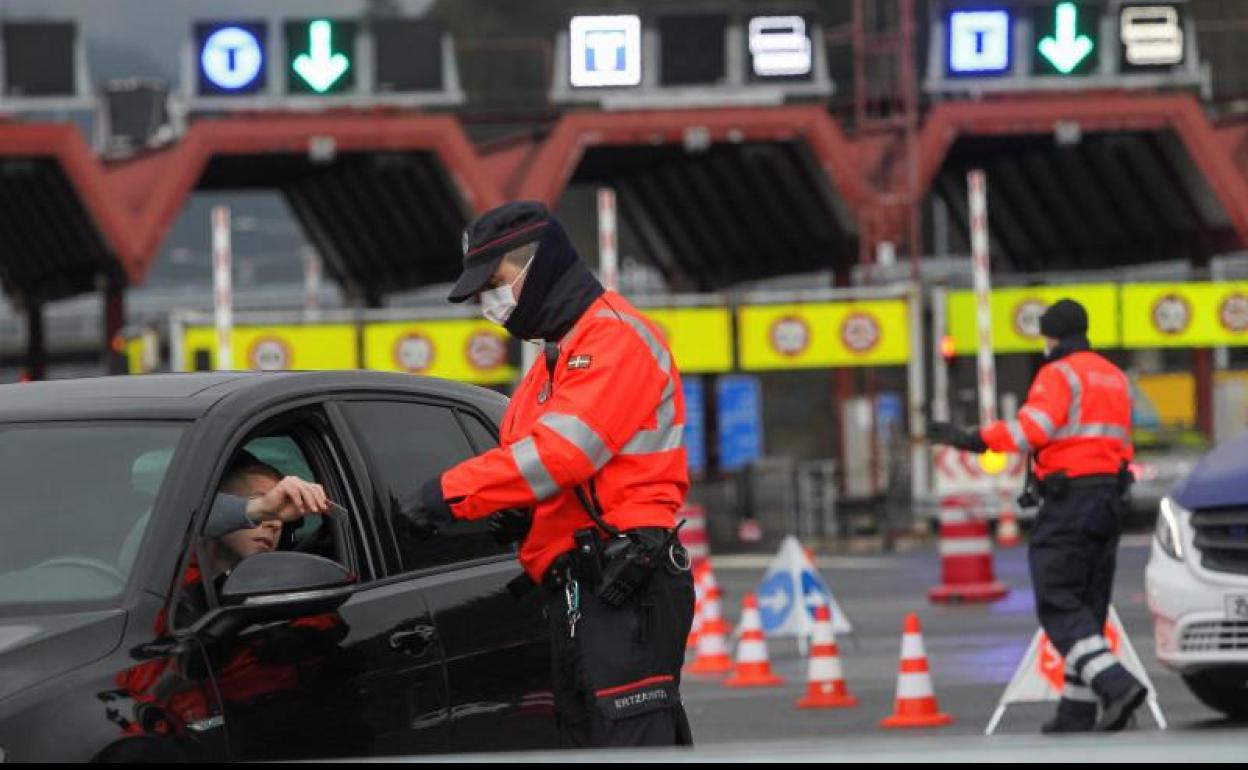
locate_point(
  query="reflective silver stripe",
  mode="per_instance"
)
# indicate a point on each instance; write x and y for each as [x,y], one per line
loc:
[1079,693]
[666,434]
[577,432]
[1075,412]
[657,349]
[1085,646]
[1020,438]
[1097,666]
[524,452]
[1093,430]
[1040,418]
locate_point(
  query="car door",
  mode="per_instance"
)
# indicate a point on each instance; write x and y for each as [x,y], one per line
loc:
[488,615]
[366,680]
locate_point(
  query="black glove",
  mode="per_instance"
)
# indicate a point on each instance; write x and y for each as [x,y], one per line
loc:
[946,433]
[422,513]
[510,525]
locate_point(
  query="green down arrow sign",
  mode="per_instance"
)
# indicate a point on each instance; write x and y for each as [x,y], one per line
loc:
[320,68]
[1066,48]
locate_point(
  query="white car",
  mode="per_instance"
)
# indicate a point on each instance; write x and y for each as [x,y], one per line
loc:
[1197,580]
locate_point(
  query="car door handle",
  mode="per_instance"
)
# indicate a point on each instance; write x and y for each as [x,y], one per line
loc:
[413,640]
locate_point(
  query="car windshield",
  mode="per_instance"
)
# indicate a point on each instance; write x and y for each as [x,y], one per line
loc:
[75,500]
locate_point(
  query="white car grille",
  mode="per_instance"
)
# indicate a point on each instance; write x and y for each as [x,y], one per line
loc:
[1215,636]
[1222,539]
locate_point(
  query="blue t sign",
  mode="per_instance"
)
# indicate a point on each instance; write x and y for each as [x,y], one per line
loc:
[979,42]
[231,57]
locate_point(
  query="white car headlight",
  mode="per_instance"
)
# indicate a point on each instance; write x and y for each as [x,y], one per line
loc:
[1168,531]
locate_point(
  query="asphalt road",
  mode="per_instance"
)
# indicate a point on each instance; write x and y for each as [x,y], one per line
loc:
[973,651]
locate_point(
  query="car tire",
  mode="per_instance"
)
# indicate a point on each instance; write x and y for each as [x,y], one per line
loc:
[1221,689]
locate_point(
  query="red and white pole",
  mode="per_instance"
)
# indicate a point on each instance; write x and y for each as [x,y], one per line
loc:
[608,246]
[222,288]
[966,566]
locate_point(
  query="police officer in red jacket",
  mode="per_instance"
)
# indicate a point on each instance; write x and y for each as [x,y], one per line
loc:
[591,443]
[1077,425]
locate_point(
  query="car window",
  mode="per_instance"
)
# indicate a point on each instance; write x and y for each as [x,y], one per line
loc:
[77,499]
[407,443]
[258,464]
[483,438]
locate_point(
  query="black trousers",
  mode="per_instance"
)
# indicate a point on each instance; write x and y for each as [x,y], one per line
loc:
[617,678]
[1072,556]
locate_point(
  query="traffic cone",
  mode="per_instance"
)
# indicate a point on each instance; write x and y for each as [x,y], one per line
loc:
[825,685]
[967,573]
[753,667]
[699,594]
[916,702]
[1007,529]
[712,657]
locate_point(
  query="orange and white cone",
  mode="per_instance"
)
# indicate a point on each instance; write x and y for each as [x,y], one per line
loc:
[712,657]
[916,702]
[1007,529]
[825,684]
[753,666]
[699,594]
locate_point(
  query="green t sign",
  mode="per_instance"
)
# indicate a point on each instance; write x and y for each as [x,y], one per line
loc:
[1066,37]
[320,56]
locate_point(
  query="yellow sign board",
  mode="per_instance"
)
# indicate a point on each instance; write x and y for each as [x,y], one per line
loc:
[1016,314]
[1185,315]
[824,334]
[277,347]
[700,337]
[464,349]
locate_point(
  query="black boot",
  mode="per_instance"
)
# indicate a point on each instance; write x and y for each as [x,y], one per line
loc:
[1072,717]
[1120,707]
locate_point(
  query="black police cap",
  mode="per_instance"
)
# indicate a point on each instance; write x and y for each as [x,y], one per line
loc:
[490,236]
[1064,318]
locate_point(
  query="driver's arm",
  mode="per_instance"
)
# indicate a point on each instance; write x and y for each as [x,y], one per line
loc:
[229,513]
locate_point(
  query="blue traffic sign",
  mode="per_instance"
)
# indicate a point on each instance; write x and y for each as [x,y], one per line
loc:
[738,402]
[695,425]
[775,600]
[979,42]
[231,57]
[814,592]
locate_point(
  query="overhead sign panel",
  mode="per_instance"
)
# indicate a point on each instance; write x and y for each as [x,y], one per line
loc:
[320,56]
[780,47]
[819,335]
[408,55]
[605,51]
[39,59]
[1066,38]
[1016,312]
[231,57]
[979,42]
[1151,36]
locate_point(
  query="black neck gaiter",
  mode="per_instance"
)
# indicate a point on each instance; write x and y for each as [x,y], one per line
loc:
[557,290]
[1066,345]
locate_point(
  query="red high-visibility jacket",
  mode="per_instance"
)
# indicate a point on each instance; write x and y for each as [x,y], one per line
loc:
[1077,418]
[616,414]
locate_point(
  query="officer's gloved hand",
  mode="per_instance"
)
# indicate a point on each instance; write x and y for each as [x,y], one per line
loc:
[510,525]
[947,433]
[423,513]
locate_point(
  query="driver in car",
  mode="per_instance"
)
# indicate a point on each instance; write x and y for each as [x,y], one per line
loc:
[254,492]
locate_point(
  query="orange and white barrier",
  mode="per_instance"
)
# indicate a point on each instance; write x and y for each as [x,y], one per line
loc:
[916,701]
[966,567]
[825,683]
[693,535]
[1008,535]
[712,657]
[753,664]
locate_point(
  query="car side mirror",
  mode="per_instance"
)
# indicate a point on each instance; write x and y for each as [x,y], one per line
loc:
[274,586]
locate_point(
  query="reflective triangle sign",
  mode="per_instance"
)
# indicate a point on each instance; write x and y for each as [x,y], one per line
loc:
[790,591]
[1041,674]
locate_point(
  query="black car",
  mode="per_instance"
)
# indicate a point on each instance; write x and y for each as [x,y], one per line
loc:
[349,639]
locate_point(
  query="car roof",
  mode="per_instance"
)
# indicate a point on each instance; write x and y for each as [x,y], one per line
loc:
[190,395]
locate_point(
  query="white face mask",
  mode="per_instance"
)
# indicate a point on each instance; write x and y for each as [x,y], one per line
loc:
[499,303]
